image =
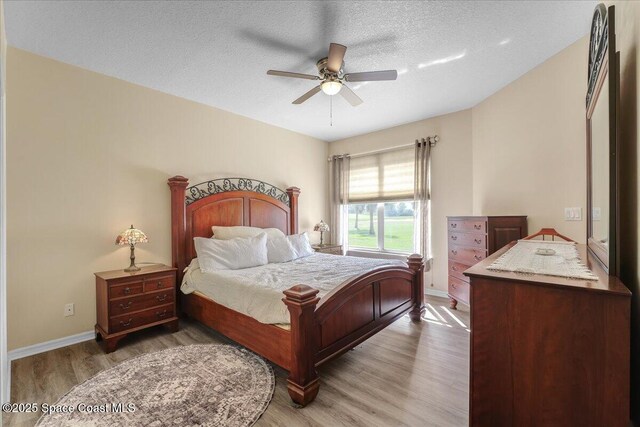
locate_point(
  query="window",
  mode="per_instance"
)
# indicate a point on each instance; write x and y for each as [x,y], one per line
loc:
[381,203]
[382,226]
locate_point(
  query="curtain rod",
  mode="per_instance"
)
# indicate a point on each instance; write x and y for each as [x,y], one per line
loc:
[432,141]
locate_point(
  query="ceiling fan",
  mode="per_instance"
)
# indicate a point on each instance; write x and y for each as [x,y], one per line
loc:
[330,71]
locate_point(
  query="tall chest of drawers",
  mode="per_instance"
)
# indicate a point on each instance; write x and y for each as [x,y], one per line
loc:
[129,302]
[470,240]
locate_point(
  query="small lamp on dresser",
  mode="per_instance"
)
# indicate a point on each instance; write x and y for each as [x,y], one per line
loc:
[322,227]
[132,236]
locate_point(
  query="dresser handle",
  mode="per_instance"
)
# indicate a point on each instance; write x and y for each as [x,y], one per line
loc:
[159,283]
[453,267]
[454,237]
[124,307]
[454,225]
[478,241]
[125,324]
[454,252]
[127,291]
[161,298]
[477,226]
[478,257]
[164,313]
[453,285]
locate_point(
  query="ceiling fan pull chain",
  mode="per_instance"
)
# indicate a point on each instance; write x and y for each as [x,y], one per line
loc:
[331,111]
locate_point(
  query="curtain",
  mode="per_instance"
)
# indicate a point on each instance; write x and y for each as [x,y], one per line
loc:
[422,198]
[382,177]
[339,196]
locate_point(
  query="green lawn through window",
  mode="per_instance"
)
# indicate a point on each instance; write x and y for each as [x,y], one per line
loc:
[398,232]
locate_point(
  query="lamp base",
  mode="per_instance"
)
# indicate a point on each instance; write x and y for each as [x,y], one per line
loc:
[132,267]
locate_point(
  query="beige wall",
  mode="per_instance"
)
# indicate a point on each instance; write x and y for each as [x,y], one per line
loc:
[88,155]
[451,172]
[628,40]
[529,145]
[4,364]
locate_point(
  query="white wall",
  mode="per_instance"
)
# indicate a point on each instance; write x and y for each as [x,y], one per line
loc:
[5,385]
[451,174]
[88,155]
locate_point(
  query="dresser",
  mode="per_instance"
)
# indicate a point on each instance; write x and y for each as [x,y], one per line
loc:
[548,351]
[129,302]
[470,240]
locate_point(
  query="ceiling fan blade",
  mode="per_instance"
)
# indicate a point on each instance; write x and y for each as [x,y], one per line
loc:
[336,56]
[307,95]
[350,96]
[371,76]
[294,75]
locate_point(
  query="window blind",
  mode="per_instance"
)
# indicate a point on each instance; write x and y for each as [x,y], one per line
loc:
[386,176]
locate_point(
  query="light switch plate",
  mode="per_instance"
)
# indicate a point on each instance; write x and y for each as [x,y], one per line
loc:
[573,214]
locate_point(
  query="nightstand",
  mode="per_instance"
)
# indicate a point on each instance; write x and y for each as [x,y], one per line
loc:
[328,249]
[129,302]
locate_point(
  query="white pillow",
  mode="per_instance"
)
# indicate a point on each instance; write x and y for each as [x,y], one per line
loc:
[300,243]
[279,249]
[226,233]
[231,254]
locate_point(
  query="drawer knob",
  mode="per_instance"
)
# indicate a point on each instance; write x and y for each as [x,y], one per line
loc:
[161,298]
[161,314]
[454,268]
[454,225]
[454,252]
[159,283]
[454,237]
[477,226]
[478,241]
[126,324]
[127,290]
[124,307]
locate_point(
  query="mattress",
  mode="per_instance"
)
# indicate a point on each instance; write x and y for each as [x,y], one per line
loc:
[257,291]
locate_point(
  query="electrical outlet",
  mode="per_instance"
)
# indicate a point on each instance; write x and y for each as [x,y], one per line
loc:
[69,310]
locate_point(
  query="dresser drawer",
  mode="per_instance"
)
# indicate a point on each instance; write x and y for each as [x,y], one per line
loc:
[155,283]
[140,302]
[456,269]
[466,255]
[478,226]
[141,318]
[125,289]
[468,239]
[459,290]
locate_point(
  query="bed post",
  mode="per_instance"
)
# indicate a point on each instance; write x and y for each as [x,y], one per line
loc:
[303,382]
[178,185]
[293,193]
[417,265]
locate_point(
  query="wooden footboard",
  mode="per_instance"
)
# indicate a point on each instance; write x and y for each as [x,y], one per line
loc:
[345,317]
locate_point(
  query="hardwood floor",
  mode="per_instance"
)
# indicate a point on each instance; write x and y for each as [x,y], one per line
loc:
[409,374]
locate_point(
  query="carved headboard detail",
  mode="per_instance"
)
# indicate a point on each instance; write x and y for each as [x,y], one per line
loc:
[225,202]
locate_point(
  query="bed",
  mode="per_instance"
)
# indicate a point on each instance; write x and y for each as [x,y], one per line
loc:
[318,329]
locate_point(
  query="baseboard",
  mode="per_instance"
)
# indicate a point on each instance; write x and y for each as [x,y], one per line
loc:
[19,353]
[436,293]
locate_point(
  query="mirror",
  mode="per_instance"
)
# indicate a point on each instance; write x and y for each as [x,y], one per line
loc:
[602,107]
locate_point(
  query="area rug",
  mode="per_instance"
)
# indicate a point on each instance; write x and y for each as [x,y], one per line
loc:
[204,385]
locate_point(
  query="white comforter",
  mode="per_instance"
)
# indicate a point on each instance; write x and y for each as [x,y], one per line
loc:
[257,291]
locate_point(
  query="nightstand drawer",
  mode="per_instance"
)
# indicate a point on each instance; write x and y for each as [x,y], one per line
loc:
[125,289]
[141,318]
[140,302]
[155,283]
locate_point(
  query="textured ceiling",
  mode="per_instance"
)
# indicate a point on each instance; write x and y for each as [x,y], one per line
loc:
[450,55]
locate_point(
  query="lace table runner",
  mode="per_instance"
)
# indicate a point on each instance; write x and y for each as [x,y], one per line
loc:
[524,258]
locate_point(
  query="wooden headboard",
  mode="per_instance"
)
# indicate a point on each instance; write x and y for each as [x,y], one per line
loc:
[225,202]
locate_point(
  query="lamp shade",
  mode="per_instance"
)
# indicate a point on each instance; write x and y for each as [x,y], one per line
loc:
[131,236]
[321,226]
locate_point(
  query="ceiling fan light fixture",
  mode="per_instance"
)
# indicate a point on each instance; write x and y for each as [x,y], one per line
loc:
[331,87]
